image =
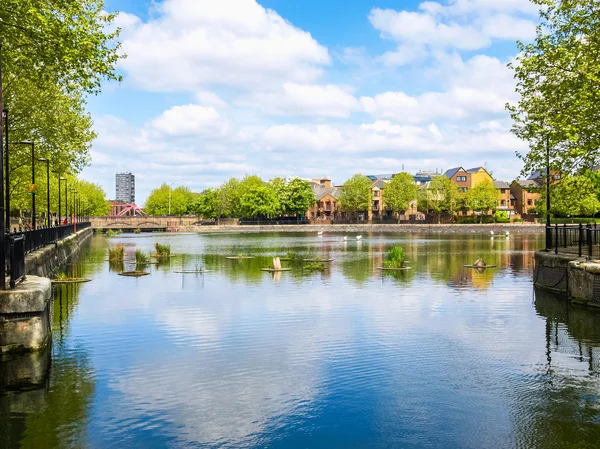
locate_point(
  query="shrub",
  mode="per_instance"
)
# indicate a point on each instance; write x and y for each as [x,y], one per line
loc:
[141,257]
[112,232]
[394,258]
[116,253]
[501,216]
[465,220]
[137,231]
[162,250]
[315,266]
[518,220]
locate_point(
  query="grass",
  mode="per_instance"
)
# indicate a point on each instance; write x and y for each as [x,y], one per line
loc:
[116,253]
[315,266]
[141,257]
[163,250]
[394,258]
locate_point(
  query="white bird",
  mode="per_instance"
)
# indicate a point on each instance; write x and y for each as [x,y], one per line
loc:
[345,237]
[507,233]
[492,232]
[358,237]
[320,233]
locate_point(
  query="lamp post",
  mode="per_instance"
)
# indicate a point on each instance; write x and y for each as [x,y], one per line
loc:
[548,221]
[59,217]
[170,190]
[7,170]
[2,223]
[43,159]
[28,142]
[66,200]
[72,189]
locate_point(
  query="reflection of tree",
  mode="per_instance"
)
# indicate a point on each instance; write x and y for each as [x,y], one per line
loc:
[562,410]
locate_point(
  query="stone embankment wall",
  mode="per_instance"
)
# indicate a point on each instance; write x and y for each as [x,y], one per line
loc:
[47,260]
[378,228]
[575,277]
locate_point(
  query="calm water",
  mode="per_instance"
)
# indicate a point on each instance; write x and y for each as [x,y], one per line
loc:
[436,357]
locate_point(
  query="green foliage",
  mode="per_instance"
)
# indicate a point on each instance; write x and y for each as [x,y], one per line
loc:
[483,197]
[116,253]
[112,232]
[163,250]
[558,84]
[181,200]
[355,194]
[571,195]
[137,231]
[440,195]
[315,266]
[518,220]
[394,258]
[295,197]
[259,201]
[141,257]
[501,216]
[399,192]
[206,204]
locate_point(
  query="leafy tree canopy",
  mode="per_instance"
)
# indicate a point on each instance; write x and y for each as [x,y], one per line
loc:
[158,202]
[399,192]
[483,197]
[558,81]
[356,194]
[575,196]
[259,201]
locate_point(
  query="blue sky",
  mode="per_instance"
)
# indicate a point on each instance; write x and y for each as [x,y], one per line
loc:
[284,87]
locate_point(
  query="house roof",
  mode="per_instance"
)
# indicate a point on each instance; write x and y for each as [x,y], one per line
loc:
[452,171]
[501,185]
[380,183]
[536,175]
[527,183]
[385,177]
[475,169]
[321,192]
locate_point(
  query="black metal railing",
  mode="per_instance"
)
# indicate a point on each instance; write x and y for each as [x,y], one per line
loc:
[273,221]
[583,239]
[19,244]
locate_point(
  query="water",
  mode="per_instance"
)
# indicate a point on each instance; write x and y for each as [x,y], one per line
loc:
[439,356]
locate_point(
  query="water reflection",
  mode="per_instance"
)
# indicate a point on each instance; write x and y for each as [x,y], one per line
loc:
[436,356]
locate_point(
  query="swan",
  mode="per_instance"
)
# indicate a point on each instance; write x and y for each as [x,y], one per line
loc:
[507,233]
[320,233]
[358,237]
[492,232]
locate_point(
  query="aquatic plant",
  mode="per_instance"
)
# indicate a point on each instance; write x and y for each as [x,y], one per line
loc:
[394,258]
[317,266]
[112,232]
[141,257]
[137,231]
[116,253]
[162,250]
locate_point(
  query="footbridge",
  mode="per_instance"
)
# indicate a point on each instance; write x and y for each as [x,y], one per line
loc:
[166,223]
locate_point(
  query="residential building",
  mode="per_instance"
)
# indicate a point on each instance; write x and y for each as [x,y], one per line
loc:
[424,177]
[377,205]
[125,188]
[527,195]
[326,207]
[507,201]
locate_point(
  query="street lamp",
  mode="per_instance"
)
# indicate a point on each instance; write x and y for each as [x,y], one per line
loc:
[28,142]
[170,190]
[7,170]
[73,192]
[59,217]
[43,159]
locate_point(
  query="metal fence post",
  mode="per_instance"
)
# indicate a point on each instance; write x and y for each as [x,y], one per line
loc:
[580,239]
[589,241]
[556,243]
[565,234]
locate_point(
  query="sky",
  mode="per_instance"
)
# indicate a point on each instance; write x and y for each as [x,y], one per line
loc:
[215,89]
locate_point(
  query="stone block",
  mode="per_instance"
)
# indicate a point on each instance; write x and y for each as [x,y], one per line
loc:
[31,295]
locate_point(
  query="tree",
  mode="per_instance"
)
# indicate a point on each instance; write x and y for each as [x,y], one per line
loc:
[558,83]
[295,197]
[356,194]
[483,197]
[571,196]
[92,198]
[158,201]
[439,196]
[205,204]
[259,201]
[399,192]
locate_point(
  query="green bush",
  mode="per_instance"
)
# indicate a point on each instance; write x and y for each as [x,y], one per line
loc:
[465,219]
[501,216]
[112,232]
[163,250]
[394,258]
[518,220]
[137,231]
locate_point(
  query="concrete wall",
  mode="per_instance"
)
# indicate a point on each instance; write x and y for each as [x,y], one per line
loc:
[47,260]
[575,277]
[363,228]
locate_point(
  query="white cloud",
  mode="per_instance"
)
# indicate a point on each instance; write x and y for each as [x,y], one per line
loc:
[297,99]
[191,120]
[194,44]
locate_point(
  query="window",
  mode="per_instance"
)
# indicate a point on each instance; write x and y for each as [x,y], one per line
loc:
[503,191]
[529,202]
[376,193]
[464,189]
[503,203]
[461,179]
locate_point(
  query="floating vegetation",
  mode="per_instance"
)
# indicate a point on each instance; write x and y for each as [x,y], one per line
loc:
[137,231]
[112,232]
[116,253]
[394,258]
[318,259]
[135,273]
[162,250]
[315,266]
[141,258]
[62,278]
[292,256]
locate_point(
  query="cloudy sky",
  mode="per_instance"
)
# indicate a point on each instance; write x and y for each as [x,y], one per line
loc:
[214,89]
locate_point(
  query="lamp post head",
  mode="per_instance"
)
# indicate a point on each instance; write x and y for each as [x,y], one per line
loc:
[43,159]
[62,179]
[26,142]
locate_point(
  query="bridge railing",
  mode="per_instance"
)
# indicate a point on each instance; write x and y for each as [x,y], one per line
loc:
[19,244]
[583,239]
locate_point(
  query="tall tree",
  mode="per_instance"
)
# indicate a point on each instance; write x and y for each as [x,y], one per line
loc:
[575,196]
[441,195]
[483,197]
[180,199]
[295,197]
[355,196]
[399,192]
[558,82]
[259,201]
[205,204]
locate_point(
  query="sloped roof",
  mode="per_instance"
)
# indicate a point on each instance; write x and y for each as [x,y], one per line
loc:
[501,185]
[536,175]
[380,183]
[385,177]
[452,171]
[527,183]
[321,192]
[475,169]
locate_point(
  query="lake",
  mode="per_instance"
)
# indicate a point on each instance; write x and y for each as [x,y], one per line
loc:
[438,356]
